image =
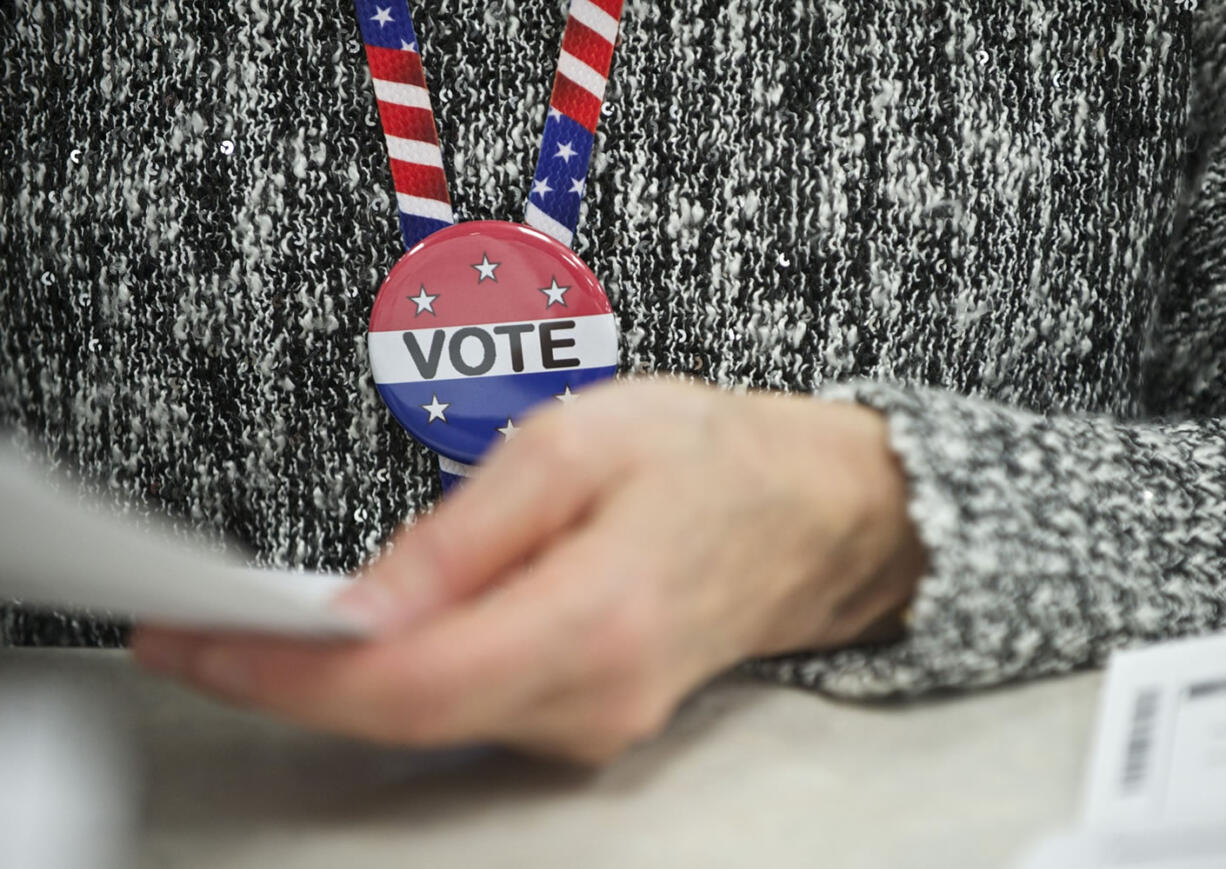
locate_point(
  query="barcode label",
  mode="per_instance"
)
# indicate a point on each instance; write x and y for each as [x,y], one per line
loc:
[1206,689]
[1160,749]
[1139,749]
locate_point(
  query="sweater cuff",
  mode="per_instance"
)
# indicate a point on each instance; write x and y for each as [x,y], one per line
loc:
[977,474]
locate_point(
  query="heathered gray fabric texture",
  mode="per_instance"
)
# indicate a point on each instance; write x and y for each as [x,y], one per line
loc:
[1001,223]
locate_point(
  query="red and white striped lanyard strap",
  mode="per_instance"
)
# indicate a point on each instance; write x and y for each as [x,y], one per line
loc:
[412,137]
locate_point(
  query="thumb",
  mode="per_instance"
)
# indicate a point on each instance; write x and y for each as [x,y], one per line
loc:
[531,489]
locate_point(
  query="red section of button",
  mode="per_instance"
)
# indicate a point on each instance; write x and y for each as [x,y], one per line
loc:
[486,272]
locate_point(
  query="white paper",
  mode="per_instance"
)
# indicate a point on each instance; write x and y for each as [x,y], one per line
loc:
[56,553]
[1155,795]
[1160,753]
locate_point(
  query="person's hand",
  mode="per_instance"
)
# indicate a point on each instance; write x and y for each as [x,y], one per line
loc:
[613,555]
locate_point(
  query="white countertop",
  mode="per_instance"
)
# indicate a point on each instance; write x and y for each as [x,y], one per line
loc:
[748,774]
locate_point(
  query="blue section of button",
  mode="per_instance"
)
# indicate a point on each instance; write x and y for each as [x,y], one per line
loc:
[469,412]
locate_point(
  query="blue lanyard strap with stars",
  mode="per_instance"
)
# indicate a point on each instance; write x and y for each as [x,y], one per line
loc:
[412,137]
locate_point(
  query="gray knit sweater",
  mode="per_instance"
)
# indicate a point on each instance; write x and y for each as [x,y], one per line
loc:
[1001,223]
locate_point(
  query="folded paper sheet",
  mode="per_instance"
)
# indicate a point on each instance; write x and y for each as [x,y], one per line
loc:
[56,551]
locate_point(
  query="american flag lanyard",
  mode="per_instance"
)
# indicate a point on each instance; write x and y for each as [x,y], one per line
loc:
[414,151]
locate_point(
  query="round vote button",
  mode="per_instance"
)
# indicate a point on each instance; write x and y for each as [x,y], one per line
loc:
[480,322]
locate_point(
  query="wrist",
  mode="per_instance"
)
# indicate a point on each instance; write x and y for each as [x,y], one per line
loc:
[862,586]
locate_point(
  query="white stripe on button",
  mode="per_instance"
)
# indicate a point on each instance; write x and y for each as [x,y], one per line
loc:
[595,337]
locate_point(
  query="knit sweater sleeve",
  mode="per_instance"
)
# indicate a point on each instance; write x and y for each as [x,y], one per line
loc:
[1054,539]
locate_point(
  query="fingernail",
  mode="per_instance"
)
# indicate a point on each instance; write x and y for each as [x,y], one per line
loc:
[223,670]
[164,657]
[373,604]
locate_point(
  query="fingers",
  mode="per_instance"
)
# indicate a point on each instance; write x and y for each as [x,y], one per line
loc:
[459,678]
[576,726]
[495,667]
[534,487]
[284,675]
[617,684]
[164,650]
[590,723]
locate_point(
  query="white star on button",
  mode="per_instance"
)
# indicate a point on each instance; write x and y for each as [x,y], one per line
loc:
[425,302]
[565,151]
[437,409]
[383,16]
[554,114]
[540,187]
[408,46]
[485,269]
[554,293]
[566,397]
[508,431]
[576,186]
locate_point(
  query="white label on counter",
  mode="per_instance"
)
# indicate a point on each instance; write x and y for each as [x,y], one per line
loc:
[1160,751]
